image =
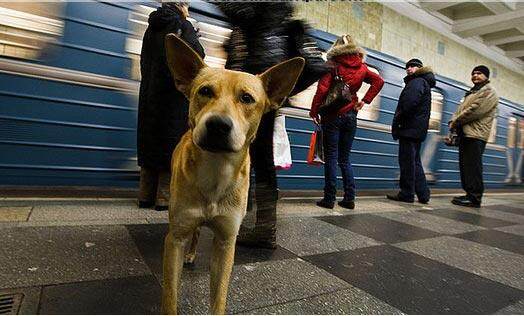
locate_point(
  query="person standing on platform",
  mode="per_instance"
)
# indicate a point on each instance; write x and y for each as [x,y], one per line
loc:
[162,110]
[473,121]
[410,128]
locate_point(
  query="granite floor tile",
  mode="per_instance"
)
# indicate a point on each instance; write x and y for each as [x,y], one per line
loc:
[260,284]
[344,302]
[149,239]
[492,263]
[514,309]
[14,213]
[508,208]
[500,215]
[426,221]
[379,228]
[515,229]
[132,295]
[506,241]
[308,236]
[34,256]
[469,218]
[415,284]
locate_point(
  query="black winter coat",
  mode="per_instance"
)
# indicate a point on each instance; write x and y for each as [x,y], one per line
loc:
[162,110]
[264,34]
[411,118]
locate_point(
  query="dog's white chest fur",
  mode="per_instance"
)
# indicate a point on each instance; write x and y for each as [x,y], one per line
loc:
[216,176]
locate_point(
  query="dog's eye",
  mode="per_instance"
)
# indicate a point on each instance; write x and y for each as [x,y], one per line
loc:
[206,92]
[247,98]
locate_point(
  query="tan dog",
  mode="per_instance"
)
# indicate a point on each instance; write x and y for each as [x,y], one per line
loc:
[210,165]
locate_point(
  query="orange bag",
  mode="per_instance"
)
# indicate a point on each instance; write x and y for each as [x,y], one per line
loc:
[315,155]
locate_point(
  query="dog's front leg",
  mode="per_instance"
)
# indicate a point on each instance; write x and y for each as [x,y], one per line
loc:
[173,264]
[221,266]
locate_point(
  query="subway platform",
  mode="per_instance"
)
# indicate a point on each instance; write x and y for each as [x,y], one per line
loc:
[103,256]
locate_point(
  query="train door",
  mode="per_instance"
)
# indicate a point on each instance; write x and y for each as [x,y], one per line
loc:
[429,150]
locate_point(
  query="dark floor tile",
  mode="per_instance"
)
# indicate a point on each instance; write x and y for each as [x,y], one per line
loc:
[149,240]
[507,208]
[494,238]
[134,295]
[380,228]
[469,218]
[415,284]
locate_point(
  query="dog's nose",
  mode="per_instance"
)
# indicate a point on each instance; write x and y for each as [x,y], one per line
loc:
[219,125]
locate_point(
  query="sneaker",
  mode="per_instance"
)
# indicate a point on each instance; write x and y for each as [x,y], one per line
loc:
[466,202]
[326,204]
[398,198]
[350,204]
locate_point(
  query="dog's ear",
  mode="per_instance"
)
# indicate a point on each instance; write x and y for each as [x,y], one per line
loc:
[280,80]
[183,62]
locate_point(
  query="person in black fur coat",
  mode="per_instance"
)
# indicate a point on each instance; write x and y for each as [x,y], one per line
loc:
[264,34]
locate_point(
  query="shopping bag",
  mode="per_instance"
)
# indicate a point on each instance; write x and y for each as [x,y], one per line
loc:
[281,146]
[316,149]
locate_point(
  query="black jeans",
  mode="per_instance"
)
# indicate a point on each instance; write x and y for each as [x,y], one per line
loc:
[262,162]
[412,178]
[470,163]
[338,139]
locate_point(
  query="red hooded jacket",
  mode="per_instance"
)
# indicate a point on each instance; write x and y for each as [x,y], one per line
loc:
[351,68]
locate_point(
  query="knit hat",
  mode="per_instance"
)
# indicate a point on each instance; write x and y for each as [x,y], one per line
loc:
[414,62]
[483,69]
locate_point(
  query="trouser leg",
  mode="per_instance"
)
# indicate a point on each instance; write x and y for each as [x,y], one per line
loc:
[163,193]
[147,187]
[330,135]
[346,136]
[472,166]
[406,161]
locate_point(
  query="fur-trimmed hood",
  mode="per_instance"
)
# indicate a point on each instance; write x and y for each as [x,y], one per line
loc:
[346,49]
[425,73]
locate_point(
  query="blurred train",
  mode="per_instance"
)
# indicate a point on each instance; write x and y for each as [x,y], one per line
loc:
[69,78]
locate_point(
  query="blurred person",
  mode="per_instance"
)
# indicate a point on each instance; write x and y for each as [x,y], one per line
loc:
[162,110]
[410,128]
[473,120]
[339,127]
[263,35]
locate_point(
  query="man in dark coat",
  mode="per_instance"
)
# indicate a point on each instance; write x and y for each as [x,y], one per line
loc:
[410,127]
[162,110]
[264,35]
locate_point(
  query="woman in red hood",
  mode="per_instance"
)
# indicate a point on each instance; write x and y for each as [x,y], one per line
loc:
[339,127]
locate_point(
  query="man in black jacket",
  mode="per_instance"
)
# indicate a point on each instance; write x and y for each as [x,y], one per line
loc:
[162,110]
[410,127]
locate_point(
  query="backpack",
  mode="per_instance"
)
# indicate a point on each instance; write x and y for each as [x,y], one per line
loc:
[338,95]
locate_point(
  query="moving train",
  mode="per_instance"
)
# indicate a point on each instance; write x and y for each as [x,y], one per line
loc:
[69,78]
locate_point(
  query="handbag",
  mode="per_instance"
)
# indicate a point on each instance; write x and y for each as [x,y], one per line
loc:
[315,155]
[281,146]
[338,95]
[452,139]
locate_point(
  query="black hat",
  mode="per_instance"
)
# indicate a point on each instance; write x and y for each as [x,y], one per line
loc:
[414,62]
[483,69]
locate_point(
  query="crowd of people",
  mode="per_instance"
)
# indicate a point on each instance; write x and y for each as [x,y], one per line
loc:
[265,34]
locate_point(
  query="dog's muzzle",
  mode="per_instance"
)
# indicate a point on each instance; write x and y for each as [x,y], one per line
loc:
[217,136]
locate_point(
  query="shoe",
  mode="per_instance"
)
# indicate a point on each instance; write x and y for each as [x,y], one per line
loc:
[466,202]
[326,204]
[424,201]
[350,204]
[146,204]
[161,208]
[257,239]
[459,198]
[398,198]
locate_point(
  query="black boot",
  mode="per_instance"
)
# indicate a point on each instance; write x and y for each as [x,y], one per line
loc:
[398,198]
[326,204]
[349,204]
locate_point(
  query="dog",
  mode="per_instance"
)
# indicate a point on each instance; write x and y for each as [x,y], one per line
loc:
[210,165]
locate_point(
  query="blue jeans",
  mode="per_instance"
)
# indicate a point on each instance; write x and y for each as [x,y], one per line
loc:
[338,139]
[412,178]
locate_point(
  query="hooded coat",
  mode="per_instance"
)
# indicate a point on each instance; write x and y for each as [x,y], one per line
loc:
[347,59]
[411,118]
[162,110]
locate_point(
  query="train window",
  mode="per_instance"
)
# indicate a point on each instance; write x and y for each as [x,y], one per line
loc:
[369,111]
[437,100]
[212,38]
[512,132]
[26,27]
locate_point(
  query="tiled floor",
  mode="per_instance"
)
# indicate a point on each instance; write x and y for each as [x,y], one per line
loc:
[101,257]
